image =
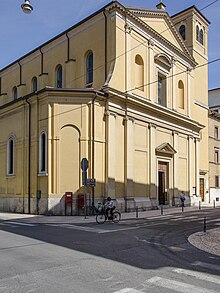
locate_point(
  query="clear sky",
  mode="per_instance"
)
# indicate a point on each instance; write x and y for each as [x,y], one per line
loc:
[20,33]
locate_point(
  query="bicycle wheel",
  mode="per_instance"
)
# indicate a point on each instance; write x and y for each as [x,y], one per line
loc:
[101,218]
[116,217]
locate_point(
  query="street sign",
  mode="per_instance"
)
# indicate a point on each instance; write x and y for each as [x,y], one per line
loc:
[84,164]
[84,178]
[91,182]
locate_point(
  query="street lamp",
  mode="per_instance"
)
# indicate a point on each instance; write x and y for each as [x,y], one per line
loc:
[26,7]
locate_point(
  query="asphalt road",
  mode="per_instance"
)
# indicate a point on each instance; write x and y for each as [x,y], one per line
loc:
[133,256]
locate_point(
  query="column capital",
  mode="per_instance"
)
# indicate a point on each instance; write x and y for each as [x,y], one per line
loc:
[151,43]
[190,137]
[175,132]
[152,126]
[109,113]
[127,118]
[128,28]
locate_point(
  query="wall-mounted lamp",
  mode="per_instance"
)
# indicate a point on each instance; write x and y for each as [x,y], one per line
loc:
[26,7]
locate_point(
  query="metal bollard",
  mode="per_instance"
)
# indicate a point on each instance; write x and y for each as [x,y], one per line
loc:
[161,209]
[199,205]
[204,228]
[136,212]
[214,204]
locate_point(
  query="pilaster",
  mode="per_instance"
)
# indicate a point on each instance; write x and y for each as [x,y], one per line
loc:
[152,162]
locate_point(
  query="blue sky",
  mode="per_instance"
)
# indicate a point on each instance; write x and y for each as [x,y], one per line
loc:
[21,33]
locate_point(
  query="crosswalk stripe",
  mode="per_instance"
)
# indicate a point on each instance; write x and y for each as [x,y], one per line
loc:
[198,275]
[206,265]
[128,290]
[20,223]
[81,228]
[176,285]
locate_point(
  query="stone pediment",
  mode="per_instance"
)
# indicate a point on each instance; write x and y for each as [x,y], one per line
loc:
[165,148]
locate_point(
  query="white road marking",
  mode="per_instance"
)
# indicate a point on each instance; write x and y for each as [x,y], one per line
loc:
[75,227]
[197,275]
[176,285]
[206,265]
[20,224]
[128,290]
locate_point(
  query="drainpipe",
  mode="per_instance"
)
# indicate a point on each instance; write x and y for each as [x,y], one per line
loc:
[29,156]
[93,146]
[105,44]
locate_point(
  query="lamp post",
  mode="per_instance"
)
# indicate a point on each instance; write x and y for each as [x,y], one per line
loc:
[27,7]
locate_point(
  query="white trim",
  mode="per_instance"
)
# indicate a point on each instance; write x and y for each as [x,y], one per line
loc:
[201,104]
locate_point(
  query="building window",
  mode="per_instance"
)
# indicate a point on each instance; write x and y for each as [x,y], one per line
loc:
[34,84]
[15,92]
[182,31]
[139,72]
[216,132]
[43,153]
[162,89]
[181,94]
[216,156]
[59,77]
[199,35]
[10,156]
[89,68]
[216,181]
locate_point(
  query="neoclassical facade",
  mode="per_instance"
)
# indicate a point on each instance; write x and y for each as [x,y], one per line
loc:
[127,89]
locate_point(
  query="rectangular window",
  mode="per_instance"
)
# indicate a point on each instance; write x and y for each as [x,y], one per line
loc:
[216,156]
[162,90]
[216,181]
[216,132]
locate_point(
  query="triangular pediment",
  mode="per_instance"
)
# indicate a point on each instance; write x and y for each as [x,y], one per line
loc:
[161,22]
[165,148]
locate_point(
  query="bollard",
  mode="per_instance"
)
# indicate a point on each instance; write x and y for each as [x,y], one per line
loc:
[161,209]
[182,208]
[136,212]
[214,204]
[199,205]
[204,228]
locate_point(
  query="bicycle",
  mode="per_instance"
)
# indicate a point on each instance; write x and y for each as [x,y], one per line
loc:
[102,217]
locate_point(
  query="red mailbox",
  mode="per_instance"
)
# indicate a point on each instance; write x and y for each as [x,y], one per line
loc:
[68,200]
[80,201]
[68,197]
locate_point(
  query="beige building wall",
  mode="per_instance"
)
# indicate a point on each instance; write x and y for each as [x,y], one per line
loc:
[141,123]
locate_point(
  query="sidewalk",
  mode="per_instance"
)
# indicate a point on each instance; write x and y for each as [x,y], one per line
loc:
[208,241]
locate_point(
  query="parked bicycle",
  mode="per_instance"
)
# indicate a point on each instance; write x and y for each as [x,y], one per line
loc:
[102,217]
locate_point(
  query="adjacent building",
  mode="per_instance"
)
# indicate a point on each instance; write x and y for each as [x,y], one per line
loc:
[214,145]
[126,88]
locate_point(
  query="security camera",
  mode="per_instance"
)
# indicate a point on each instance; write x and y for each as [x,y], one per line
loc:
[27,7]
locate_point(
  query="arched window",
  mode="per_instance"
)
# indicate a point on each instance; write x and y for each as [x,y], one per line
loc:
[139,72]
[59,77]
[181,94]
[15,92]
[34,84]
[43,153]
[10,156]
[201,36]
[182,31]
[89,68]
[197,33]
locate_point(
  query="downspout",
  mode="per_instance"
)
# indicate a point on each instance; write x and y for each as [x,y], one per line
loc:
[105,44]
[29,156]
[68,47]
[93,147]
[20,73]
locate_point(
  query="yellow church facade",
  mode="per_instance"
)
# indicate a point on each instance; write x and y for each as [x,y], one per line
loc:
[127,89]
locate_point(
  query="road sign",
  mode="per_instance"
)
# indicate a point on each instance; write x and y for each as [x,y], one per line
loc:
[91,182]
[84,164]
